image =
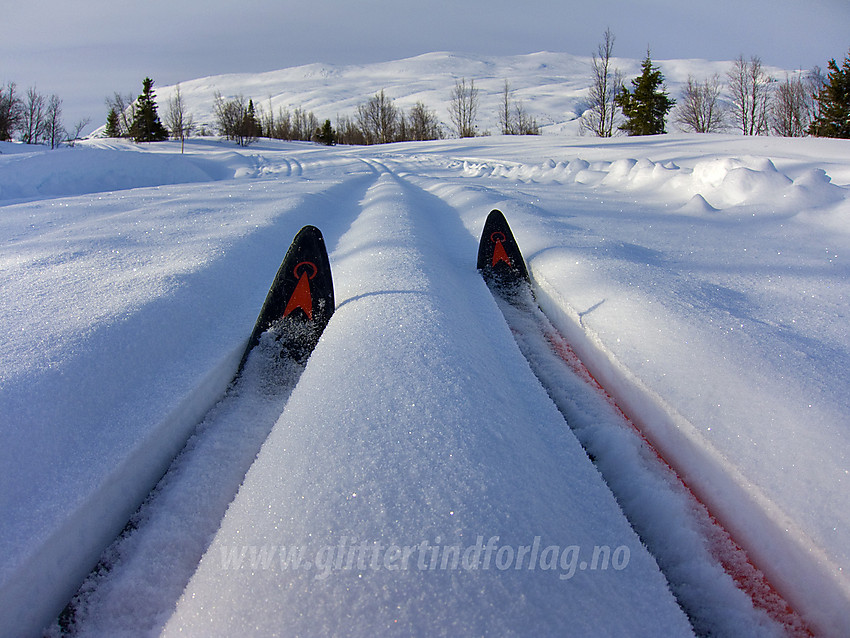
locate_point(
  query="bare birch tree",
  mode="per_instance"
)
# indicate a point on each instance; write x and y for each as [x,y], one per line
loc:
[463,108]
[74,134]
[513,118]
[423,123]
[33,118]
[54,131]
[524,123]
[10,111]
[378,119]
[348,132]
[794,107]
[700,109]
[749,85]
[600,118]
[234,119]
[123,106]
[505,115]
[179,123]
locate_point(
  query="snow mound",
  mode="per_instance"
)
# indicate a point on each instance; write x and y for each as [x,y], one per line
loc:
[815,188]
[709,186]
[697,205]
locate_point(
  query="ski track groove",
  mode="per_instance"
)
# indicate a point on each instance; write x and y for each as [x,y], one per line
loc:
[723,548]
[167,526]
[296,168]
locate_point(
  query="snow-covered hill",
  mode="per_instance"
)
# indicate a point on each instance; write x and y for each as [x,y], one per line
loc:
[552,86]
[703,279]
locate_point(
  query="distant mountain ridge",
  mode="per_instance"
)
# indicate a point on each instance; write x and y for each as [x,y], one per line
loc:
[551,86]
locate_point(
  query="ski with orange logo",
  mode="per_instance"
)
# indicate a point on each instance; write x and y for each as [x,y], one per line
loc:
[300,301]
[503,269]
[296,310]
[499,259]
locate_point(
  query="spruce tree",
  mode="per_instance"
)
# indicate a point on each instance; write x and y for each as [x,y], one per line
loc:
[113,125]
[252,124]
[326,135]
[146,126]
[834,103]
[646,105]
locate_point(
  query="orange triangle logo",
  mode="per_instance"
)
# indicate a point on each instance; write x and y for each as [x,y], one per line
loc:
[499,254]
[301,297]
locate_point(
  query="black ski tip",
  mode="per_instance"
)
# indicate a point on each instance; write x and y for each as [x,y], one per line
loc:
[300,301]
[499,258]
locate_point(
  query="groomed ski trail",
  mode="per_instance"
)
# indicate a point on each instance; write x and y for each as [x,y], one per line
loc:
[426,195]
[367,455]
[711,575]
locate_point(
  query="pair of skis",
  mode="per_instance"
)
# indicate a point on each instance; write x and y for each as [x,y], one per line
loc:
[300,301]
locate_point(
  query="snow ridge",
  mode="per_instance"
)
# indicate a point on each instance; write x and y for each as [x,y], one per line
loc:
[439,455]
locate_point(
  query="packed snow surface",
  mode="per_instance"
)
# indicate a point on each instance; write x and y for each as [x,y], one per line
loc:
[703,279]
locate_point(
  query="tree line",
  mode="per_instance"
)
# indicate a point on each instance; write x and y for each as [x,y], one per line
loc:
[34,118]
[376,121]
[748,100]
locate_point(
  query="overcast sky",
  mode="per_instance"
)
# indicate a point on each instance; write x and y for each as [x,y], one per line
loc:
[85,50]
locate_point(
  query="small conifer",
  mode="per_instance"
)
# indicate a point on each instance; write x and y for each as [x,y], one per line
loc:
[146,126]
[646,105]
[326,134]
[834,103]
[113,124]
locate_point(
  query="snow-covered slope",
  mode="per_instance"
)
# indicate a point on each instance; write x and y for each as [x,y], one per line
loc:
[551,86]
[704,279]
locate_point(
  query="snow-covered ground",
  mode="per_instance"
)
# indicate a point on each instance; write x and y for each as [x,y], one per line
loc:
[702,279]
